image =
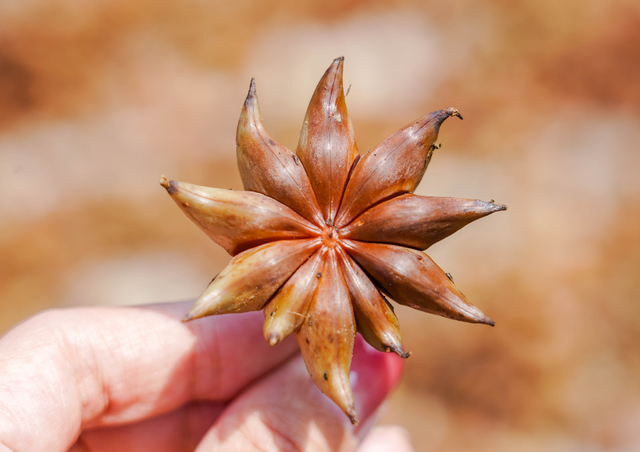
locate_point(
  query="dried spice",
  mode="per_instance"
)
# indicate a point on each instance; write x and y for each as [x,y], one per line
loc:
[321,237]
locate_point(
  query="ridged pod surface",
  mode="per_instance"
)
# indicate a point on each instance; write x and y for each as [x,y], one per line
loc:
[320,236]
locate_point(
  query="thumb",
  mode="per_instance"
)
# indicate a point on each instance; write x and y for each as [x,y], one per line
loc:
[285,411]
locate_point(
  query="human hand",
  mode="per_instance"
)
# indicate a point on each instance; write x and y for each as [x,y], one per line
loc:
[134,379]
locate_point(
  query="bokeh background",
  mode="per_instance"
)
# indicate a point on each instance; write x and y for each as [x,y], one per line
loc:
[98,99]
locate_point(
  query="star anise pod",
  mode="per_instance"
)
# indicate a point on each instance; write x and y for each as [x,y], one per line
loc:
[321,238]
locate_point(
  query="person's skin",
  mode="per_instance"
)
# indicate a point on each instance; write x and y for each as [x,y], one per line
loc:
[136,379]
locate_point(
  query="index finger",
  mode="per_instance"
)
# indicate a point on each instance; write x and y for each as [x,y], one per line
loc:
[68,369]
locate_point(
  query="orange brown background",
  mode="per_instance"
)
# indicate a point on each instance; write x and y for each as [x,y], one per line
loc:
[98,99]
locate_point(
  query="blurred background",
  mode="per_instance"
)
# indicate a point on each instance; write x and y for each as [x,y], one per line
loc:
[98,99]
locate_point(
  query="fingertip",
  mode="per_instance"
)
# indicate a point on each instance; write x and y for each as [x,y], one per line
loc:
[374,374]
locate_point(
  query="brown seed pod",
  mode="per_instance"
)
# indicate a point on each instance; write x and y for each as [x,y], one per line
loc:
[317,235]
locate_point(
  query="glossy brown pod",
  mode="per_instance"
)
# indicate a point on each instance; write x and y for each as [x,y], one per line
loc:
[269,168]
[327,146]
[287,310]
[238,220]
[375,318]
[392,168]
[417,221]
[326,337]
[252,277]
[411,278]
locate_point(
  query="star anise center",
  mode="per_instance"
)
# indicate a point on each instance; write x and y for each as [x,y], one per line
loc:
[330,237]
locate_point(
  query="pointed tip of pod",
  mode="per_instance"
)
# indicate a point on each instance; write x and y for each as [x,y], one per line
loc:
[438,117]
[273,339]
[484,319]
[399,351]
[170,185]
[195,313]
[472,314]
[351,413]
[488,207]
[454,112]
[251,95]
[391,343]
[250,107]
[250,125]
[337,67]
[429,126]
[489,322]
[200,308]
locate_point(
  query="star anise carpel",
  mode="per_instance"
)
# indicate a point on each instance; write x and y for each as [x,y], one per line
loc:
[321,238]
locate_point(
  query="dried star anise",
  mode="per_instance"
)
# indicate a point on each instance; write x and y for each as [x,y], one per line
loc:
[321,237]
